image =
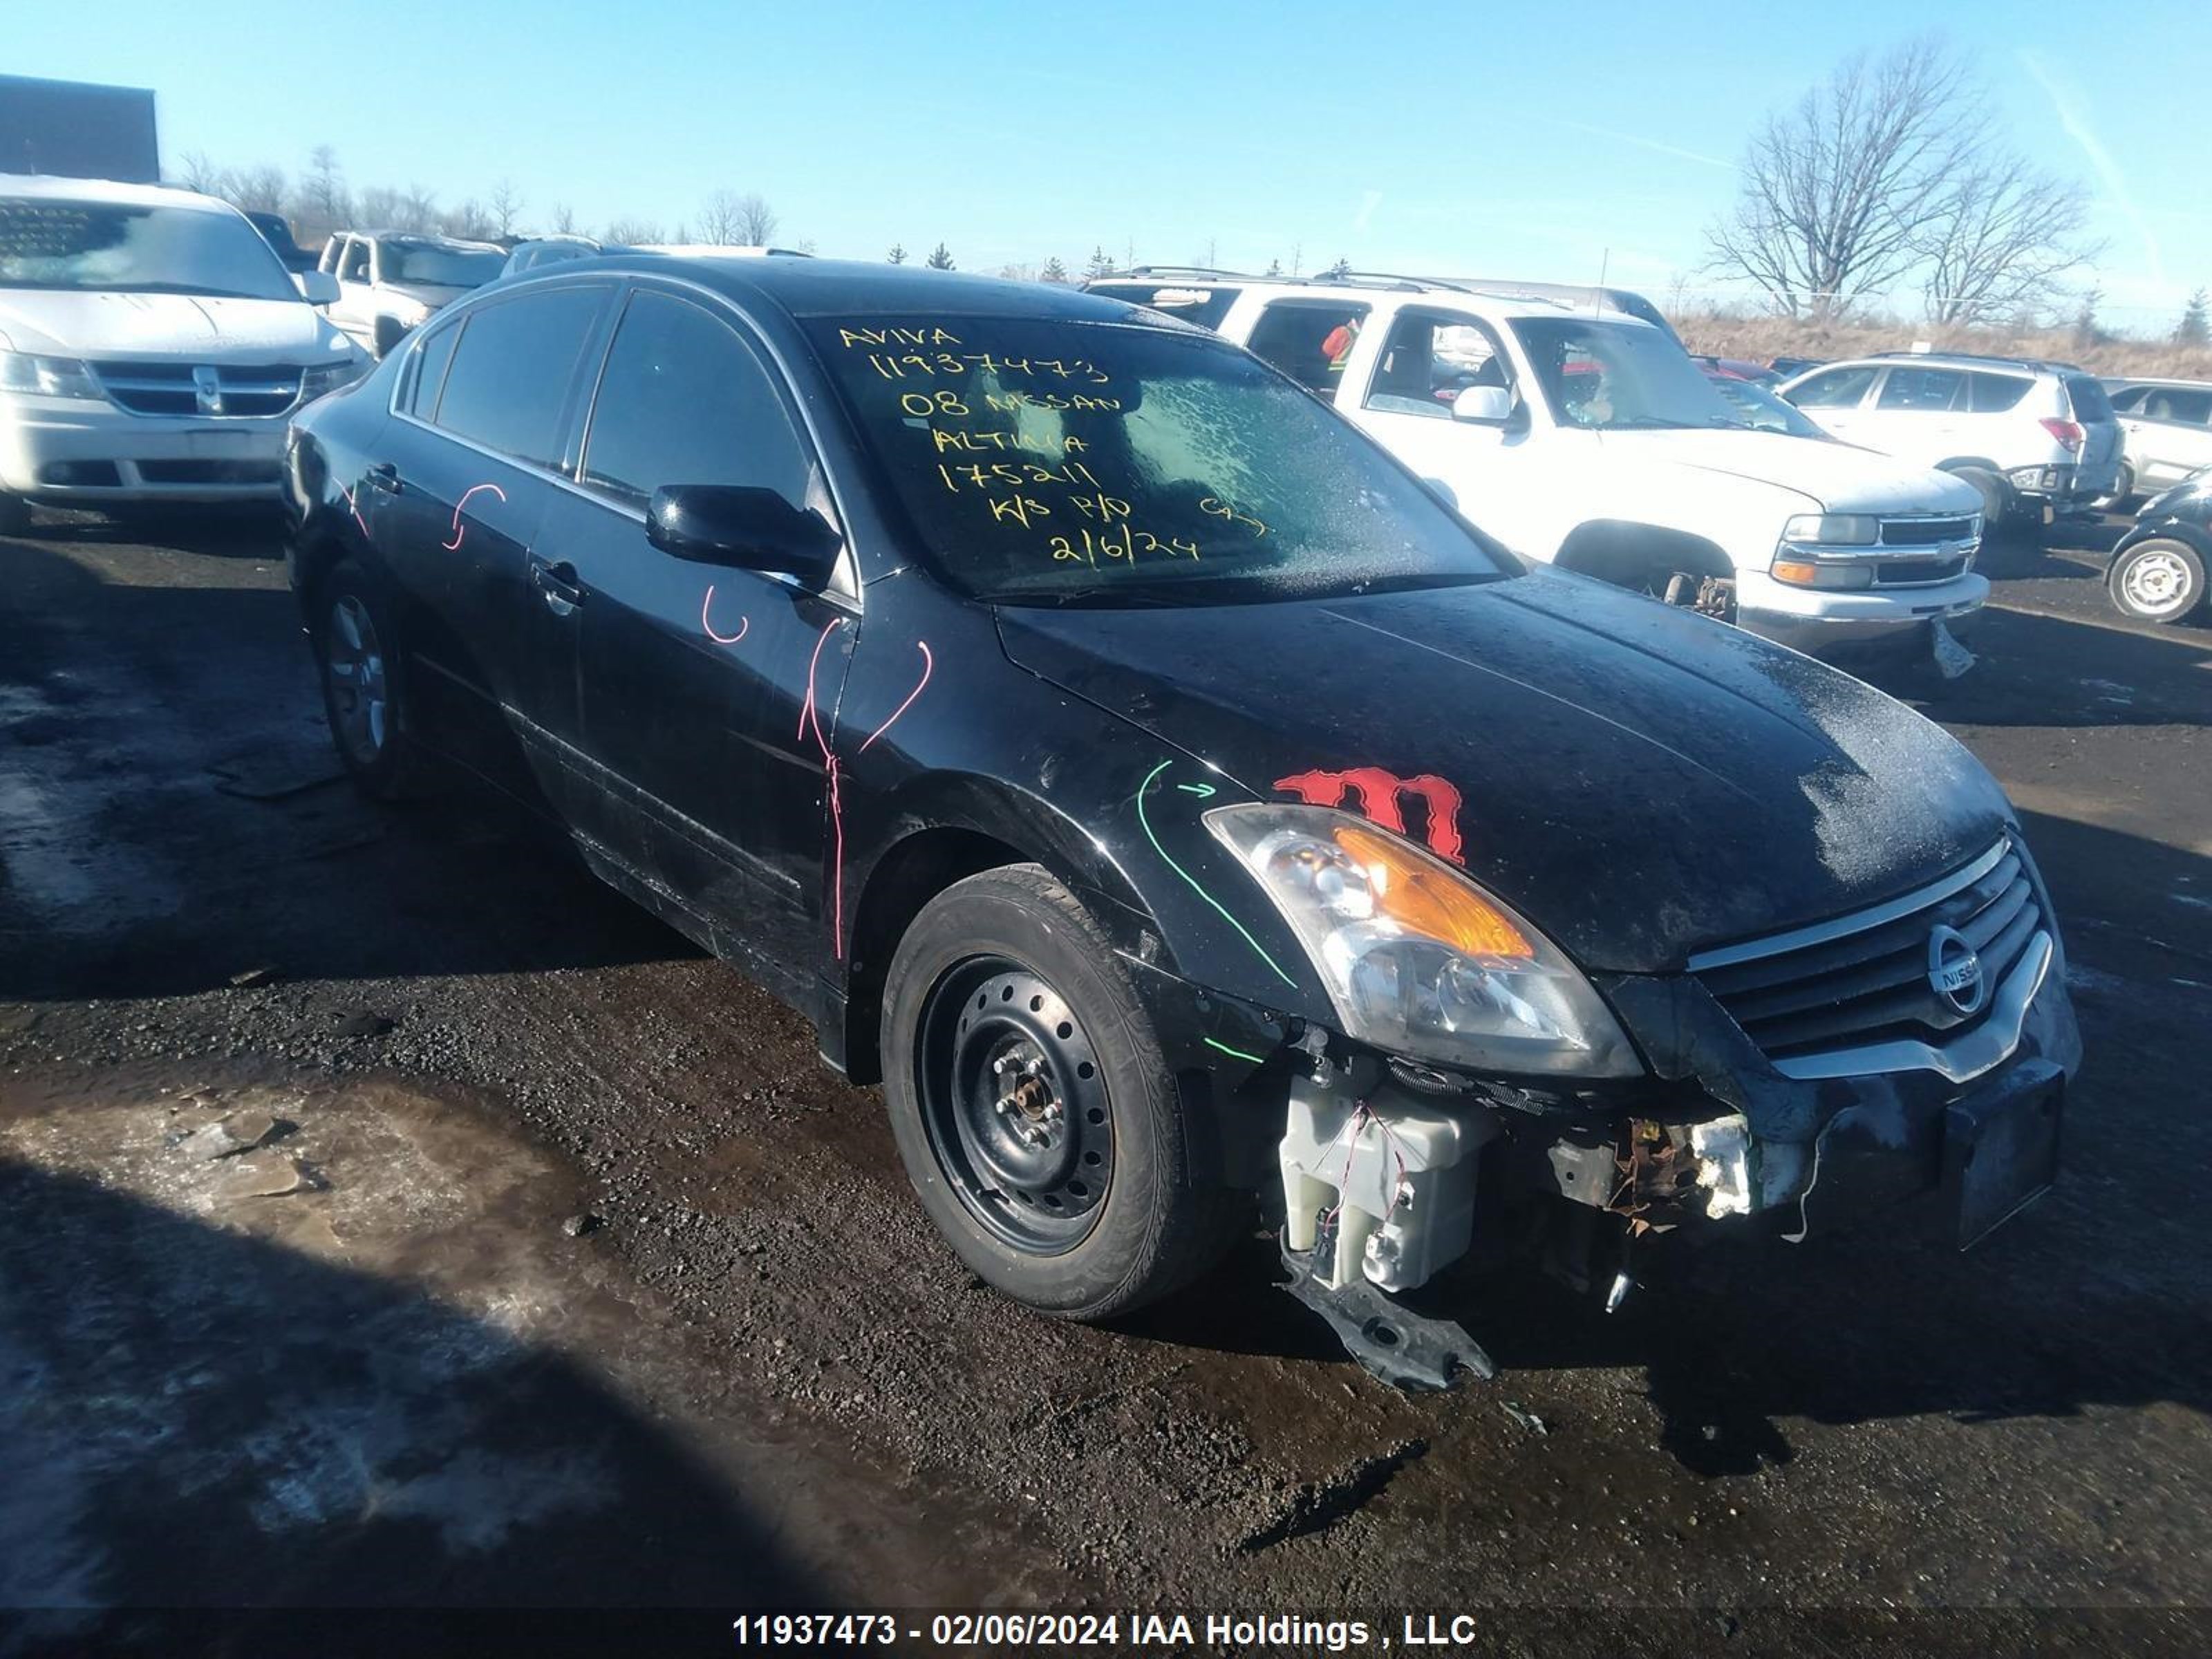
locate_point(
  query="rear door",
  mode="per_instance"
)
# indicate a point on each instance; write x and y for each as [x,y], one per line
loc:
[2100,432]
[693,676]
[482,406]
[1837,397]
[2169,435]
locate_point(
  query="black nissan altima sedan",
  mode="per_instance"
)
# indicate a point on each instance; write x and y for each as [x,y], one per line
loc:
[1168,798]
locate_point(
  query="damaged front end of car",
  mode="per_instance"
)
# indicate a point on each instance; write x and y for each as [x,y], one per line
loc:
[1779,1086]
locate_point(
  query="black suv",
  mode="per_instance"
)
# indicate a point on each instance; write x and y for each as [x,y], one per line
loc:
[1142,775]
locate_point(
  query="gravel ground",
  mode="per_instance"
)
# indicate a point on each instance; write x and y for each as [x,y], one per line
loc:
[745,1371]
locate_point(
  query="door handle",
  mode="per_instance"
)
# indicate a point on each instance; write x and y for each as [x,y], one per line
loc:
[557,585]
[385,476]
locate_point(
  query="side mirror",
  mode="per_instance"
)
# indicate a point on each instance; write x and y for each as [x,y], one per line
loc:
[744,527]
[317,288]
[1484,405]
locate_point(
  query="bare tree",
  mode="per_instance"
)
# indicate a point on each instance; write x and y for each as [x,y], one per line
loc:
[1839,193]
[418,210]
[719,219]
[634,233]
[564,218]
[196,172]
[506,206]
[259,190]
[380,208]
[2087,330]
[1997,238]
[757,220]
[468,220]
[322,191]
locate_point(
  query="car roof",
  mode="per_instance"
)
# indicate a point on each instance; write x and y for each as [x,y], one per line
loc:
[2126,382]
[1496,298]
[2026,366]
[802,287]
[54,187]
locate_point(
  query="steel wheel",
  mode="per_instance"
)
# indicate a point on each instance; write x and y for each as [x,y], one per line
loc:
[358,688]
[2158,581]
[1015,1105]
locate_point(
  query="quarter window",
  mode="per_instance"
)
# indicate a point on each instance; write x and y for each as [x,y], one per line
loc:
[1993,394]
[431,361]
[508,382]
[683,400]
[1836,388]
[1920,390]
[1308,341]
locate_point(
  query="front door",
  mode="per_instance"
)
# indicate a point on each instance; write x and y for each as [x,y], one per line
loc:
[696,680]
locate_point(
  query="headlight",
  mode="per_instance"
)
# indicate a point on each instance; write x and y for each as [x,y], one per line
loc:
[1418,959]
[318,378]
[1832,530]
[48,377]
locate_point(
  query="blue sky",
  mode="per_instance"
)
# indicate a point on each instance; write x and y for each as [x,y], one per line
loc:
[1534,141]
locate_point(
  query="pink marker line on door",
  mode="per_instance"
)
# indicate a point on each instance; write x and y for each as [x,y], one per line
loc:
[707,604]
[809,717]
[354,509]
[454,545]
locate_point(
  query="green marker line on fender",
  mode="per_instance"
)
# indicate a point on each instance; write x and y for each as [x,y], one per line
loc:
[1237,1054]
[1146,823]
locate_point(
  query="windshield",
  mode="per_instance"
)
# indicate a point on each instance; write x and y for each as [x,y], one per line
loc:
[1759,409]
[111,247]
[1616,376]
[1056,462]
[437,266]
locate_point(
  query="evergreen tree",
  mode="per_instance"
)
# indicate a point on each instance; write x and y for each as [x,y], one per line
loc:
[940,257]
[1053,272]
[897,255]
[1100,265]
[1274,267]
[2193,329]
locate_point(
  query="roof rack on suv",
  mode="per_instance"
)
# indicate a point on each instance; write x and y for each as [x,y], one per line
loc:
[2049,364]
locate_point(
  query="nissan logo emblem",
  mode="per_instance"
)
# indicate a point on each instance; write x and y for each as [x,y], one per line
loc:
[1955,972]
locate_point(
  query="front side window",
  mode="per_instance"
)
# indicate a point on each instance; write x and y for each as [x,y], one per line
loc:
[683,400]
[353,267]
[1920,390]
[1761,411]
[2126,402]
[507,386]
[111,247]
[2189,408]
[440,265]
[1427,362]
[1309,340]
[1610,377]
[1107,463]
[1835,388]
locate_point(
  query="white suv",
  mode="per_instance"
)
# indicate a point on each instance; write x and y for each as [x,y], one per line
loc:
[2036,439]
[152,347]
[1581,434]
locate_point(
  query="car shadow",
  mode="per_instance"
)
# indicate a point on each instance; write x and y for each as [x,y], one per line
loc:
[196,1420]
[2037,670]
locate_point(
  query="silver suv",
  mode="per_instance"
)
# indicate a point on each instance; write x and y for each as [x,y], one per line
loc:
[2037,438]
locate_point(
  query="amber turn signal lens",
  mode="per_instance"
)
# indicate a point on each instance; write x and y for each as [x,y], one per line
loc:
[1800,572]
[1431,902]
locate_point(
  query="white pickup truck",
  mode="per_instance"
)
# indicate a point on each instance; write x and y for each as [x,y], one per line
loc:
[1581,434]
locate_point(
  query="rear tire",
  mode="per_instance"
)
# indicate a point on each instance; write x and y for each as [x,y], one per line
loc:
[359,659]
[1084,1199]
[2000,507]
[2158,580]
[2123,491]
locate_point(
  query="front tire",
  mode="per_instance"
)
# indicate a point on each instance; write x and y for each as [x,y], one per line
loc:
[1033,1108]
[2158,580]
[357,657]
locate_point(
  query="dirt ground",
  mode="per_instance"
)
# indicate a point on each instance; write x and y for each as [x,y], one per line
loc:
[363,1363]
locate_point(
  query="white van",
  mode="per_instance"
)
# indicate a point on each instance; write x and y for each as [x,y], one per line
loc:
[152,348]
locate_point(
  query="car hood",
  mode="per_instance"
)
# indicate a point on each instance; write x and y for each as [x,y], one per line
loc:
[1835,478]
[1638,781]
[138,325]
[432,294]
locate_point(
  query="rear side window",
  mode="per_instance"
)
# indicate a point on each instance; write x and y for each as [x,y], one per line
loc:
[1836,388]
[1205,306]
[1993,394]
[508,382]
[2087,394]
[2189,408]
[684,400]
[431,362]
[1921,389]
[1309,340]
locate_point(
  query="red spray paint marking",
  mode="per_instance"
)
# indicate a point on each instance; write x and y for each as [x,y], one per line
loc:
[454,545]
[744,623]
[928,664]
[810,720]
[1380,796]
[355,511]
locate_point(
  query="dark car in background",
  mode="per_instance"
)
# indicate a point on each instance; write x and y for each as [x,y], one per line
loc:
[2157,569]
[1147,780]
[276,230]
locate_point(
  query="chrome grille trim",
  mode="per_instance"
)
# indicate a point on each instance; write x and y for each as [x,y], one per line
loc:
[1858,921]
[161,387]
